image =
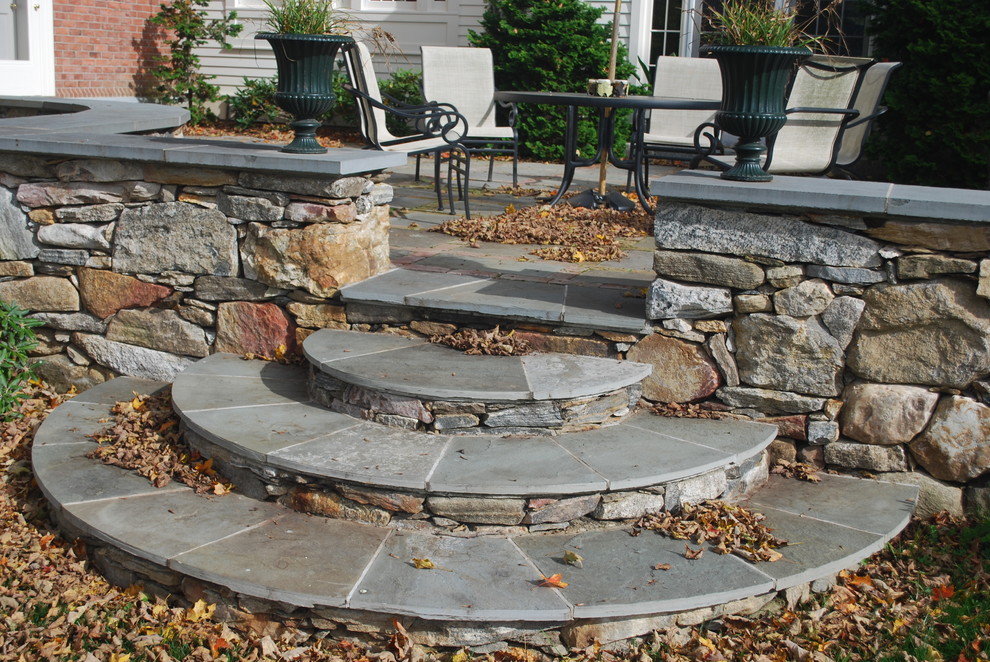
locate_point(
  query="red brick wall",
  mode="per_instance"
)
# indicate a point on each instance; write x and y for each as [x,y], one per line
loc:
[104,48]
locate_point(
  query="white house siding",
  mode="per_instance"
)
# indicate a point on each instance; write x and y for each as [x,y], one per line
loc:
[414,24]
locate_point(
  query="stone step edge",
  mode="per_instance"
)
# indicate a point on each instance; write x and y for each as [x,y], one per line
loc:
[545,374]
[580,475]
[429,296]
[87,496]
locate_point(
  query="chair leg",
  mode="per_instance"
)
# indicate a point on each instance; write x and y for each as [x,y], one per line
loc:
[491,166]
[515,166]
[436,182]
[450,189]
[462,168]
[418,159]
[467,184]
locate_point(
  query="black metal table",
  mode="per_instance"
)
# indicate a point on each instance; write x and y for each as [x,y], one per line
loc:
[640,105]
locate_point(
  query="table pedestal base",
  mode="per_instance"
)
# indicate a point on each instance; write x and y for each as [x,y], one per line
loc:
[592,199]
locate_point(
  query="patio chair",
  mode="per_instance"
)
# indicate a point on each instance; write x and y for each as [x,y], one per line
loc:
[441,127]
[819,107]
[872,85]
[670,134]
[465,78]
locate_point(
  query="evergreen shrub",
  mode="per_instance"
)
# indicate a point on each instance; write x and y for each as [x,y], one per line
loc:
[405,87]
[554,47]
[936,131]
[179,78]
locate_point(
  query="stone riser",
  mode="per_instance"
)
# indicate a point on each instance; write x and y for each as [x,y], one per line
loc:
[545,417]
[469,514]
[252,418]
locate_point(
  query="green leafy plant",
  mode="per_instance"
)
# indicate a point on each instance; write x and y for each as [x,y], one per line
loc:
[533,45]
[17,338]
[404,87]
[254,102]
[178,75]
[936,131]
[306,17]
[345,110]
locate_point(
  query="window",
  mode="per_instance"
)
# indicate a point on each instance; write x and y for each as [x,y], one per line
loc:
[844,24]
[665,35]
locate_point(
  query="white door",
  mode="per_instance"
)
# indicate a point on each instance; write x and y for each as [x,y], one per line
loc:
[27,58]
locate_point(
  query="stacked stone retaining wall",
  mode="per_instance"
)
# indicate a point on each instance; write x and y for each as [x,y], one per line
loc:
[141,268]
[861,325]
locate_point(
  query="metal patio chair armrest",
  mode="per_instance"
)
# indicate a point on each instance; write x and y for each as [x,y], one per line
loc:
[435,120]
[860,119]
[707,151]
[851,112]
[513,111]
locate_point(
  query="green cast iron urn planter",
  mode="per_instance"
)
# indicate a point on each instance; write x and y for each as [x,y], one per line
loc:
[305,82]
[754,84]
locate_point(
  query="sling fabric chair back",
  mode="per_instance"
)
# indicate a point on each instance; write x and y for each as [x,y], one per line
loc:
[689,79]
[867,102]
[819,106]
[465,79]
[361,71]
[441,126]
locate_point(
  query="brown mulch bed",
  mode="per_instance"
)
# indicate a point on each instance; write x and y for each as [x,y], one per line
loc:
[331,137]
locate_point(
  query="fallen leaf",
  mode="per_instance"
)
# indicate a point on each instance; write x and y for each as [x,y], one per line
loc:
[423,564]
[860,580]
[200,611]
[943,592]
[662,566]
[553,581]
[692,554]
[573,558]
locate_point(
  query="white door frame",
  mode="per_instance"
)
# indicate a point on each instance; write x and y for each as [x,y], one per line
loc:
[642,20]
[35,75]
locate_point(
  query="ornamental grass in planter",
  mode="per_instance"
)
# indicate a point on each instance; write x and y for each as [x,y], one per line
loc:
[757,46]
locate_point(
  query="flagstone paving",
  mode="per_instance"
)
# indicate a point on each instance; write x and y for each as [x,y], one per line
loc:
[261,549]
[439,272]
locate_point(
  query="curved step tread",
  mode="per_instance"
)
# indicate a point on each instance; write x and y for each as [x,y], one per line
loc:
[261,550]
[265,419]
[421,369]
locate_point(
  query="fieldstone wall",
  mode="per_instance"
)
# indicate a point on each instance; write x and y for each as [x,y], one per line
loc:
[141,268]
[866,338]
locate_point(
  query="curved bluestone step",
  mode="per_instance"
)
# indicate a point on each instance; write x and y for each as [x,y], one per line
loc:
[421,369]
[257,412]
[260,550]
[415,384]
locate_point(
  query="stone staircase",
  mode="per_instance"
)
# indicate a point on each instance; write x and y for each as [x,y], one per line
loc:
[386,450]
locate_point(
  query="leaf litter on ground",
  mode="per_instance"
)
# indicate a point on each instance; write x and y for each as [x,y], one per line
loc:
[728,528]
[926,595]
[491,342]
[566,234]
[144,435]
